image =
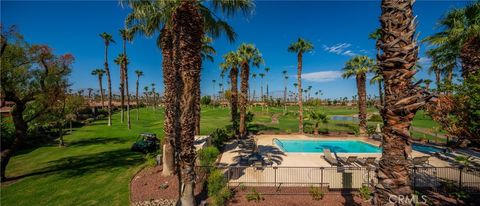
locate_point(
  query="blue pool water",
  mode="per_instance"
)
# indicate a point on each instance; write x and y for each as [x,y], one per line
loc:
[314,146]
[426,149]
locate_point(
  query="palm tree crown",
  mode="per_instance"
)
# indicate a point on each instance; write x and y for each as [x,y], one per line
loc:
[300,46]
[98,72]
[250,55]
[107,38]
[357,65]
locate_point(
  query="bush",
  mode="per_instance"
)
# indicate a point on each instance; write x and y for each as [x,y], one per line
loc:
[218,137]
[206,100]
[7,133]
[216,181]
[375,118]
[254,196]
[365,192]
[316,193]
[208,155]
[221,198]
[151,159]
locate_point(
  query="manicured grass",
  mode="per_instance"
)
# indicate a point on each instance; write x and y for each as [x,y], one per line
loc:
[96,165]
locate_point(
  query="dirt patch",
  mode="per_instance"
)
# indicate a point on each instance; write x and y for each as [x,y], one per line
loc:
[149,184]
[330,199]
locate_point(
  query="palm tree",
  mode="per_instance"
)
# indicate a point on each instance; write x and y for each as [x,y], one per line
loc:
[127,35]
[99,73]
[461,34]
[119,61]
[267,69]
[358,66]
[427,84]
[139,73]
[262,75]
[285,77]
[107,39]
[299,47]
[231,61]
[444,60]
[377,79]
[317,118]
[402,98]
[213,89]
[309,88]
[249,55]
[195,18]
[154,96]
[296,91]
[145,92]
[254,76]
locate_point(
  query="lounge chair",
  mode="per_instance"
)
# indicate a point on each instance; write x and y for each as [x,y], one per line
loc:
[420,161]
[369,161]
[348,161]
[327,155]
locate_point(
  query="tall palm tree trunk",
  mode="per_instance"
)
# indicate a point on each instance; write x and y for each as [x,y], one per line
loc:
[437,80]
[300,102]
[362,103]
[380,92]
[101,91]
[122,92]
[285,100]
[187,41]
[136,97]
[129,126]
[244,75]
[402,98]
[172,97]
[234,99]
[449,80]
[109,81]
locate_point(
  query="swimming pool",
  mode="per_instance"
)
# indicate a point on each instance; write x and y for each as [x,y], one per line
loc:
[317,146]
[426,149]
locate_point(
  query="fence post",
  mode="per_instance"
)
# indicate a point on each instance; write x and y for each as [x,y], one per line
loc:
[460,177]
[275,176]
[414,177]
[368,176]
[321,178]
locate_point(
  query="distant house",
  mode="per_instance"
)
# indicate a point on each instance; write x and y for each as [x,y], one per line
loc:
[6,108]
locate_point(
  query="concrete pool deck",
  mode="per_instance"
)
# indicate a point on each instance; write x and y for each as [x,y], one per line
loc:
[289,159]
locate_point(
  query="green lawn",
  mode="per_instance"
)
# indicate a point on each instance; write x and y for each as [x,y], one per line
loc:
[96,165]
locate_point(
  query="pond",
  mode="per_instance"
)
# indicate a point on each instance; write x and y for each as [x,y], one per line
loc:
[344,118]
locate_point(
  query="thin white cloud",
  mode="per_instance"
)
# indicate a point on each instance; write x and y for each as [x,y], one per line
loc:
[340,49]
[323,76]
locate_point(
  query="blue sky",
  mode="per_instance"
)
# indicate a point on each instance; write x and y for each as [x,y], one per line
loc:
[338,31]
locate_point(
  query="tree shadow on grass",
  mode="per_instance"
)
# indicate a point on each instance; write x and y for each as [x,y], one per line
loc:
[68,167]
[98,140]
[256,128]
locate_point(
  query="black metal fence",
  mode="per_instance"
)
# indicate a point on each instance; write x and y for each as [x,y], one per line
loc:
[298,180]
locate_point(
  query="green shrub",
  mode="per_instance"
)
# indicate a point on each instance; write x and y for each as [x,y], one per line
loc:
[316,193]
[208,155]
[242,187]
[151,159]
[206,100]
[375,118]
[221,198]
[365,192]
[254,196]
[216,181]
[219,136]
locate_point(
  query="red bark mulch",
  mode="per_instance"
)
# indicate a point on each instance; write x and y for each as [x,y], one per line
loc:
[146,186]
[330,199]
